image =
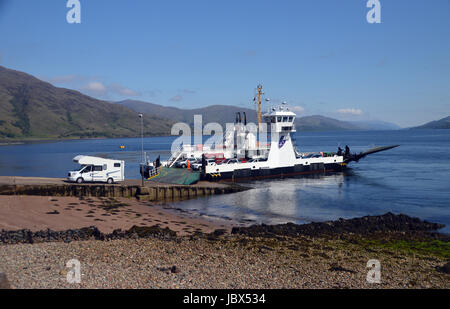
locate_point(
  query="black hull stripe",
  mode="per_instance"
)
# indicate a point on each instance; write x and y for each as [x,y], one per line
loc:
[274,173]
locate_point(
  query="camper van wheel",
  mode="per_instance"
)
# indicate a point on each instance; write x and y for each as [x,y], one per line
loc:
[80,180]
[183,165]
[110,181]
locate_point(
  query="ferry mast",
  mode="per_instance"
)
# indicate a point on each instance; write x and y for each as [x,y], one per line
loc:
[257,99]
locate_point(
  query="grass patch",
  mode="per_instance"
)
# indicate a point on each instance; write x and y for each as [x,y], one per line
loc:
[435,248]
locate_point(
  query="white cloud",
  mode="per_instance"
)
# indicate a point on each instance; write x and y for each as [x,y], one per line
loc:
[124,91]
[350,111]
[298,109]
[96,88]
[176,98]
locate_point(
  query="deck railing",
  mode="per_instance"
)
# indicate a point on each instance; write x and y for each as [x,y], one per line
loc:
[154,172]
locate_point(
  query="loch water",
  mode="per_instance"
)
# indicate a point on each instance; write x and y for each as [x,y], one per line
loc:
[413,179]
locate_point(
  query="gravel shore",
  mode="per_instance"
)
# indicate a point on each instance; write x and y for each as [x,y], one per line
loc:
[228,261]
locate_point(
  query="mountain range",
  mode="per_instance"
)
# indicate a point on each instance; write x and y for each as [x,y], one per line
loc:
[214,113]
[34,109]
[226,113]
[443,123]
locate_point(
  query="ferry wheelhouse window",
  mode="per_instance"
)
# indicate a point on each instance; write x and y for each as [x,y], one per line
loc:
[285,119]
[116,164]
[279,118]
[290,118]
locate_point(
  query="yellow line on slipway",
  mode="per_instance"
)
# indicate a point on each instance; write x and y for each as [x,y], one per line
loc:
[153,176]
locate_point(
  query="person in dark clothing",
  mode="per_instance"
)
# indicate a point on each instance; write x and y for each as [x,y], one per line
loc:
[339,153]
[158,162]
[203,165]
[347,151]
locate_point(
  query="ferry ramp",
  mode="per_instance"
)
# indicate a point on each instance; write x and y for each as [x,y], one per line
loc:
[179,176]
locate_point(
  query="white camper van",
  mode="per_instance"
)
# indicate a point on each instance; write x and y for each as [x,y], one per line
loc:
[97,169]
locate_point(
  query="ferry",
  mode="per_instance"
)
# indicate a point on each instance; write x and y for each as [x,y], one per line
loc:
[251,152]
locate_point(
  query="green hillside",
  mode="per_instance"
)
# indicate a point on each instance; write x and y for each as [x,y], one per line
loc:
[31,108]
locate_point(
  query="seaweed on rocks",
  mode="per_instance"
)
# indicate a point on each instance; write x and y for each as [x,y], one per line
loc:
[367,225]
[87,233]
[152,231]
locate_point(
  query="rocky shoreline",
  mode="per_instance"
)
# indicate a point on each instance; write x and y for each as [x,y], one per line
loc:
[369,226]
[388,223]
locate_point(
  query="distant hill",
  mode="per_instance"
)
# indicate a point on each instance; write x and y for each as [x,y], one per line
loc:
[215,113]
[375,125]
[226,114]
[443,123]
[321,123]
[31,108]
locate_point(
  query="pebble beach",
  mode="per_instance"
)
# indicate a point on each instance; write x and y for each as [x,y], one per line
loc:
[227,262]
[172,249]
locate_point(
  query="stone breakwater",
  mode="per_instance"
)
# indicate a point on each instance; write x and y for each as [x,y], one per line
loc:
[365,226]
[94,190]
[158,192]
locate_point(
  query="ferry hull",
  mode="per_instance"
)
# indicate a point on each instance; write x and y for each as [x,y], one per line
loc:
[281,172]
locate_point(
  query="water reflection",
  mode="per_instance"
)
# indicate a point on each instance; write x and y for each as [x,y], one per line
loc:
[274,201]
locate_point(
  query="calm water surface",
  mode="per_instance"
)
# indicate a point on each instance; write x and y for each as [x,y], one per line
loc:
[412,179]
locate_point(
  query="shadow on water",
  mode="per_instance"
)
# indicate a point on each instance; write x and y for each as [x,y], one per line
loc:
[351,176]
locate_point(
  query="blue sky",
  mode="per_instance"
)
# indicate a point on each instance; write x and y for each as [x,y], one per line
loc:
[321,56]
